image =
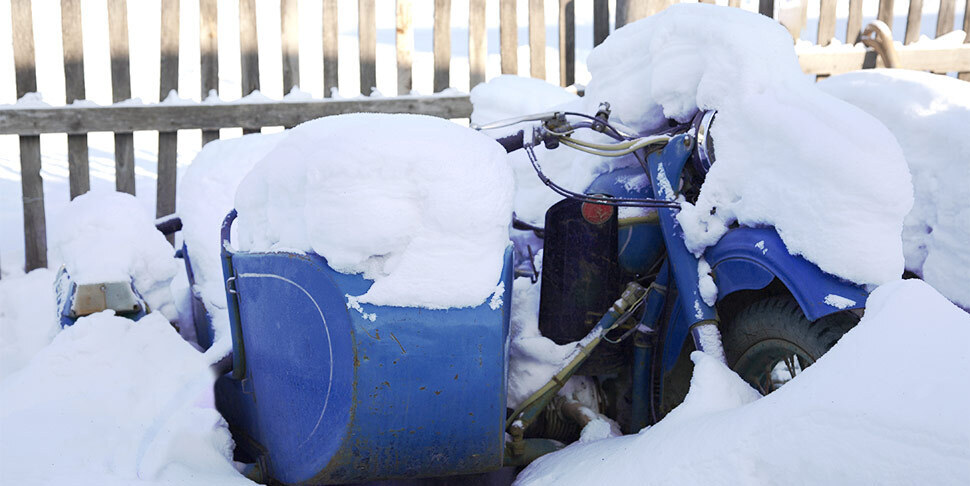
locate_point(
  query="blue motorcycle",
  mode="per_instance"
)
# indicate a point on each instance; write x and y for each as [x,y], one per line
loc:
[321,389]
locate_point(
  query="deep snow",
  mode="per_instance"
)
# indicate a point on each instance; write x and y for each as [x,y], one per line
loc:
[112,401]
[886,405]
[930,117]
[418,204]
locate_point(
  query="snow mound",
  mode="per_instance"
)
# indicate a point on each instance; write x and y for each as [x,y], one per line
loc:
[930,117]
[206,195]
[509,96]
[105,236]
[854,417]
[418,204]
[114,401]
[830,178]
[28,318]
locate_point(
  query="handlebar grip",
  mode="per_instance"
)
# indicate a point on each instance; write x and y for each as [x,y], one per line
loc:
[512,142]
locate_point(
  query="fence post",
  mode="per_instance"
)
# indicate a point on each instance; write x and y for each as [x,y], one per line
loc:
[508,37]
[442,44]
[31,182]
[476,43]
[168,82]
[209,55]
[73,43]
[121,91]
[567,42]
[404,43]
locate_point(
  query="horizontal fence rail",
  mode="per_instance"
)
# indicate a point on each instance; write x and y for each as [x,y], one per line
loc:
[822,59]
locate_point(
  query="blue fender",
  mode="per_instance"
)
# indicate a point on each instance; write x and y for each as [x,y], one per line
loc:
[750,258]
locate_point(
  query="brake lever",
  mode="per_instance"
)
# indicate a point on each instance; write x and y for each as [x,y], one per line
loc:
[540,117]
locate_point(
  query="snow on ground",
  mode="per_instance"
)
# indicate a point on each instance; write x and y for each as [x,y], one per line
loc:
[206,195]
[418,204]
[929,116]
[112,401]
[28,318]
[106,236]
[827,176]
[882,407]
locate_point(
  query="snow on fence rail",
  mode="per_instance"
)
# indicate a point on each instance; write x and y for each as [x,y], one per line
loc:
[77,120]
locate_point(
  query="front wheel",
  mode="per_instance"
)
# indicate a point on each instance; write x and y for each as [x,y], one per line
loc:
[770,341]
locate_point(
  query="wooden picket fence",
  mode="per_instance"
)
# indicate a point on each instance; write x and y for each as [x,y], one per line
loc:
[122,120]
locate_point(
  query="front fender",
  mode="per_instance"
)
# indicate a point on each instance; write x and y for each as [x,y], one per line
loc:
[750,258]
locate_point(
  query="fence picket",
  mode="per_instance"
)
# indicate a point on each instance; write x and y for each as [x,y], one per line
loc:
[826,22]
[913,18]
[442,45]
[31,183]
[966,28]
[367,35]
[601,21]
[330,47]
[886,12]
[477,49]
[404,43]
[209,55]
[537,39]
[631,10]
[508,37]
[853,27]
[766,8]
[290,43]
[77,145]
[248,51]
[168,141]
[944,19]
[567,42]
[121,91]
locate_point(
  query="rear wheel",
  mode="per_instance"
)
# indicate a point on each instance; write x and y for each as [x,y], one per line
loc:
[770,341]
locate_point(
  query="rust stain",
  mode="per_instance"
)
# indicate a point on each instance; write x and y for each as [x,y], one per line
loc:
[437,392]
[456,376]
[376,336]
[422,388]
[398,343]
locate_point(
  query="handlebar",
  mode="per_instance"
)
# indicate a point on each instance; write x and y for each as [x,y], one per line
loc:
[512,142]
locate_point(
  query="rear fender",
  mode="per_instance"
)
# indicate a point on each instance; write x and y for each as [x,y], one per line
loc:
[750,258]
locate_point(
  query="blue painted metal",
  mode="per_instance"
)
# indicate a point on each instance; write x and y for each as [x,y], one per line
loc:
[643,347]
[329,395]
[750,258]
[200,315]
[666,167]
[639,245]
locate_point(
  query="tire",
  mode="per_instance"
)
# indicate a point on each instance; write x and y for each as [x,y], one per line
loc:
[768,342]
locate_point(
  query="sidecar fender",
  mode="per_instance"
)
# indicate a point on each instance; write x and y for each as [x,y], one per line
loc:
[750,258]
